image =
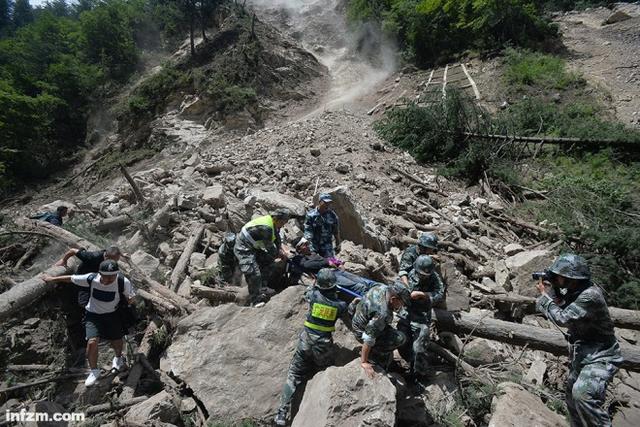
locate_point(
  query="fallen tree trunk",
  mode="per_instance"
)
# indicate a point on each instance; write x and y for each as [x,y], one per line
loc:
[183,261]
[549,340]
[115,223]
[24,293]
[159,218]
[113,406]
[622,318]
[215,295]
[135,373]
[132,271]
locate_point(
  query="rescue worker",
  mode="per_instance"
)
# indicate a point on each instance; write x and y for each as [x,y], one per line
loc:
[594,353]
[315,347]
[372,324]
[321,226]
[427,245]
[427,289]
[257,246]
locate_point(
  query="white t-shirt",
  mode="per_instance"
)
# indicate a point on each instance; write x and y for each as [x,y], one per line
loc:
[104,298]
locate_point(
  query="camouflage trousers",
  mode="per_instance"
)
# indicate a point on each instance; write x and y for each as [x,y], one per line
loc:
[414,350]
[255,265]
[585,394]
[313,353]
[226,262]
[386,342]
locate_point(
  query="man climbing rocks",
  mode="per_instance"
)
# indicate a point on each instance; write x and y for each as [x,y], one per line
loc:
[257,246]
[427,245]
[594,352]
[372,324]
[321,226]
[75,298]
[54,218]
[426,289]
[315,347]
[103,320]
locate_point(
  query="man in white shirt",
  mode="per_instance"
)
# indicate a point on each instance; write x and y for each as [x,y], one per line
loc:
[103,320]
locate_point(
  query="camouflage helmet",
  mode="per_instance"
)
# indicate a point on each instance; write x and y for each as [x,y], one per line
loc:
[428,240]
[326,279]
[282,214]
[424,265]
[401,291]
[571,266]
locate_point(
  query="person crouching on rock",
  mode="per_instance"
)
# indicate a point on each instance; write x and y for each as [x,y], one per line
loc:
[102,317]
[315,347]
[372,324]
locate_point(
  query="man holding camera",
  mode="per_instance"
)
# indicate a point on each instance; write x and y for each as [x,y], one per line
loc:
[569,298]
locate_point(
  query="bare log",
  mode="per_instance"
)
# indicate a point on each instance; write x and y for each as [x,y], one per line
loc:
[132,183]
[622,318]
[19,387]
[25,293]
[27,255]
[452,358]
[215,295]
[28,368]
[159,218]
[418,181]
[555,140]
[114,406]
[549,340]
[144,349]
[115,223]
[183,261]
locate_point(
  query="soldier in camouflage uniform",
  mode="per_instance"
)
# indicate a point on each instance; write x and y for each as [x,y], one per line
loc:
[426,289]
[594,353]
[257,246]
[372,324]
[321,225]
[427,245]
[226,258]
[315,347]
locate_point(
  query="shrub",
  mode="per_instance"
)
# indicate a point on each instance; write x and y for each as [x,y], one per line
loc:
[527,68]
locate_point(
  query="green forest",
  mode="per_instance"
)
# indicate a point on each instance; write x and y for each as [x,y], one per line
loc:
[57,60]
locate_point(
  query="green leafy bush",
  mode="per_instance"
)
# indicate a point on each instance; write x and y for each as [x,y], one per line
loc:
[527,68]
[435,30]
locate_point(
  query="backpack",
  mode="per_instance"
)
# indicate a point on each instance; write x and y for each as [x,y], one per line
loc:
[125,311]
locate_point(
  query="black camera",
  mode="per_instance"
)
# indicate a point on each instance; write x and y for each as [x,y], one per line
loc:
[544,275]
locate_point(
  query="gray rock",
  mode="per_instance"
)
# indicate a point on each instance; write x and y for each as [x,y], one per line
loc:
[44,407]
[271,200]
[353,226]
[513,406]
[502,276]
[146,262]
[315,152]
[343,168]
[241,351]
[480,351]
[197,261]
[345,396]
[615,17]
[159,407]
[350,252]
[214,196]
[522,265]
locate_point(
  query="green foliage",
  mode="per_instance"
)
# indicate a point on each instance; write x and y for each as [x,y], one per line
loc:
[434,30]
[527,68]
[228,97]
[476,398]
[22,13]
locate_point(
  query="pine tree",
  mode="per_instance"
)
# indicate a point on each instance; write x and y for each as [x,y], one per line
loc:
[22,13]
[5,15]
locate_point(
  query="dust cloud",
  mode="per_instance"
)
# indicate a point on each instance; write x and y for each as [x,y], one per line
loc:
[357,58]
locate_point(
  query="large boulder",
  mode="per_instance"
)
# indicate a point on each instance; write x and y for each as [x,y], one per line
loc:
[514,406]
[346,397]
[271,200]
[228,353]
[159,407]
[353,226]
[521,266]
[42,407]
[214,196]
[145,262]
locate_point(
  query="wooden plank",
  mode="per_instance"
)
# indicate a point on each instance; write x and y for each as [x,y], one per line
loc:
[444,81]
[473,84]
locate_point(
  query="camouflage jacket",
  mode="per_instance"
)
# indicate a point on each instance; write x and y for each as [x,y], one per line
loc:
[433,286]
[409,256]
[373,315]
[589,325]
[319,229]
